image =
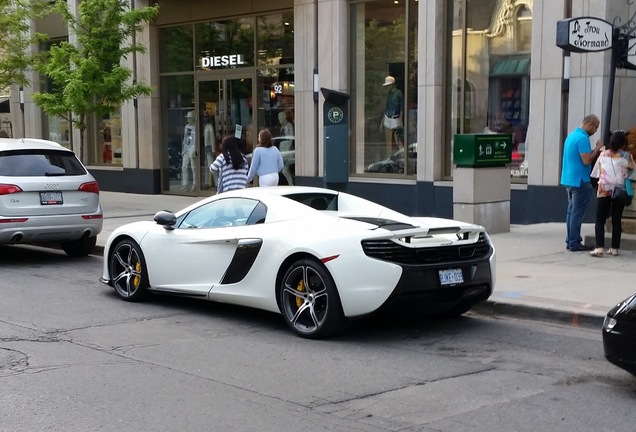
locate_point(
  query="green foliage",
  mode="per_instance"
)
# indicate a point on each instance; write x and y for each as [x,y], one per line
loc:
[16,39]
[86,76]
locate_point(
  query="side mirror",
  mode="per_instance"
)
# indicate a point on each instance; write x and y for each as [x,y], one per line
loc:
[166,218]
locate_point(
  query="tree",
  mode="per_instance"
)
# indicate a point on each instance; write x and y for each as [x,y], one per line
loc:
[16,39]
[86,75]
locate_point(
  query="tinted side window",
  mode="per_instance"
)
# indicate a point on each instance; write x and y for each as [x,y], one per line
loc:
[36,163]
[318,201]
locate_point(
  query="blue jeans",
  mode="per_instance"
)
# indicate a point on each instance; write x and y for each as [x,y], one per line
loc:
[578,198]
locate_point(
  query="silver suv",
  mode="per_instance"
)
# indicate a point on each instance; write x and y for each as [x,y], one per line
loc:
[47,196]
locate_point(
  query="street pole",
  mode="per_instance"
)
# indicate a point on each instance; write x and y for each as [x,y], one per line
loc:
[607,115]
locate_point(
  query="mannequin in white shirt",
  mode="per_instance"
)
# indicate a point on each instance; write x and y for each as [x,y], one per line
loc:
[285,146]
[188,153]
[209,142]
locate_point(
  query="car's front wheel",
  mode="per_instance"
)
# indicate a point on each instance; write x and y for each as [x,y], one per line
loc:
[128,271]
[309,300]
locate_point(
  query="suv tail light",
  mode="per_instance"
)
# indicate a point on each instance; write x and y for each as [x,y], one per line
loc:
[6,189]
[90,187]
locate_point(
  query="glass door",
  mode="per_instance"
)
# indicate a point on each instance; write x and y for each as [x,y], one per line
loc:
[225,109]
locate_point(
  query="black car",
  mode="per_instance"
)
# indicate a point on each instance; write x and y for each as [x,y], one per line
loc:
[395,163]
[619,335]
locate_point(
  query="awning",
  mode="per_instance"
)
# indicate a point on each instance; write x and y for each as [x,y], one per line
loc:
[511,67]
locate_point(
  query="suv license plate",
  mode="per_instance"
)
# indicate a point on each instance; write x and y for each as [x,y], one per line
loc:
[451,277]
[51,198]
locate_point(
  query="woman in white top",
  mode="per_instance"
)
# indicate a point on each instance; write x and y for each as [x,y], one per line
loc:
[232,166]
[267,161]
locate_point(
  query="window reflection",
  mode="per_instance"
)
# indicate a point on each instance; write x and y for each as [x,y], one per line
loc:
[225,44]
[490,55]
[175,49]
[275,40]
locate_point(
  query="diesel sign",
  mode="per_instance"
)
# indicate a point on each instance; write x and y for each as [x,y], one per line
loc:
[222,61]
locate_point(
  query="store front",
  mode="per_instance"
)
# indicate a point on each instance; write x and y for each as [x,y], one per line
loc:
[220,78]
[435,69]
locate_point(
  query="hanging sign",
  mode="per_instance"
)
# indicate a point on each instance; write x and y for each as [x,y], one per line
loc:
[584,34]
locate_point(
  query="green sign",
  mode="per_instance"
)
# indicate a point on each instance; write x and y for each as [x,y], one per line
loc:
[482,150]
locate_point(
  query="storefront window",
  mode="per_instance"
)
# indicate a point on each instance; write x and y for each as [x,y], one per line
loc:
[225,44]
[275,83]
[231,59]
[178,132]
[490,72]
[275,102]
[108,148]
[384,87]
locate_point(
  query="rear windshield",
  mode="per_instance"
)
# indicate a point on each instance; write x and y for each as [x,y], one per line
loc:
[36,163]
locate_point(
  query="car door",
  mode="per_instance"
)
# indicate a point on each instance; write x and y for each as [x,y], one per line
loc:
[194,256]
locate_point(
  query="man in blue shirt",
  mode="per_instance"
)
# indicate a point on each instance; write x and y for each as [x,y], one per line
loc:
[575,176]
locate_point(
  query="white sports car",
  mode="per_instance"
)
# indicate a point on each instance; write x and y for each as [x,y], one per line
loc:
[317,256]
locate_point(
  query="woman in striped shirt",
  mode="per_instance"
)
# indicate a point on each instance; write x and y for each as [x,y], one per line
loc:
[231,165]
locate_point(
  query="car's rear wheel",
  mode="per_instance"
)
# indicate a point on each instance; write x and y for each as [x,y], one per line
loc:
[309,300]
[128,271]
[81,247]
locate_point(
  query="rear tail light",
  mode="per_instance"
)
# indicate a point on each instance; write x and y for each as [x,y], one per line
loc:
[95,216]
[13,220]
[6,189]
[92,187]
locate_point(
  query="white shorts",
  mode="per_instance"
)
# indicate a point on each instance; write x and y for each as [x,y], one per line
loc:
[268,179]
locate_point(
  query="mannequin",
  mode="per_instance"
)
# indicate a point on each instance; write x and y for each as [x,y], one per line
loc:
[209,142]
[188,153]
[286,129]
[286,126]
[392,118]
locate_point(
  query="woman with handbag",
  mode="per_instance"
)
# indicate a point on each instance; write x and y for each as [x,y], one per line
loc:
[612,170]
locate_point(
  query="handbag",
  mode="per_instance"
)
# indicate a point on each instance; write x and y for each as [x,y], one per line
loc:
[620,196]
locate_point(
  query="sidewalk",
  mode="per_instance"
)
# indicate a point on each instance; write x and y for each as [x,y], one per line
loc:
[536,276]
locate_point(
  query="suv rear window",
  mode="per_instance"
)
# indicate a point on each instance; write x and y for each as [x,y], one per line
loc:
[37,163]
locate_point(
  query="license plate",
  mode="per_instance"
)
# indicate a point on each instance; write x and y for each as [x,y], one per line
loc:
[51,198]
[451,277]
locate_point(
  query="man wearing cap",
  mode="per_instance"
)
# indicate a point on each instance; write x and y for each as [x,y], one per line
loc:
[392,120]
[188,153]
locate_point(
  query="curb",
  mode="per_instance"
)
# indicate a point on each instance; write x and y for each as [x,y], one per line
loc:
[574,319]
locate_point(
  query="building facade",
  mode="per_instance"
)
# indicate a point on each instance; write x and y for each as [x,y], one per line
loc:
[417,73]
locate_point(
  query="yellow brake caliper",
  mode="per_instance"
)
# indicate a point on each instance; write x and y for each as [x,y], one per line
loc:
[137,278]
[300,287]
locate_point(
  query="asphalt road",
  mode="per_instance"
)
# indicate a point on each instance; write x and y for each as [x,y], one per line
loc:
[74,357]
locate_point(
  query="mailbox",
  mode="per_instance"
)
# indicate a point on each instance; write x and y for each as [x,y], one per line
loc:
[482,150]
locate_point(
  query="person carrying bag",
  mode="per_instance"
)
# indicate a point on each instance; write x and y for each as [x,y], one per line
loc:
[612,170]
